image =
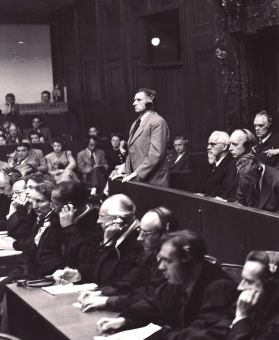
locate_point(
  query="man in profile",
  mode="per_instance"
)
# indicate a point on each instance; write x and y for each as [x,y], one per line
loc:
[219,160]
[258,185]
[179,160]
[257,311]
[147,143]
[241,143]
[194,301]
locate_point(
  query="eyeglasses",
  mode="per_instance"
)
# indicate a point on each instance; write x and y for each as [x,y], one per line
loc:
[213,144]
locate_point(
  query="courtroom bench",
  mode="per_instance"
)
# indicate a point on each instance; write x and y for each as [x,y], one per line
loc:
[230,230]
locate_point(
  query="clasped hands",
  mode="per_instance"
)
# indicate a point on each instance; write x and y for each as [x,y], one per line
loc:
[92,300]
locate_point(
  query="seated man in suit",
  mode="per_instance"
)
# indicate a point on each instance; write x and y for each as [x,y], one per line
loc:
[219,160]
[257,311]
[146,277]
[258,185]
[267,150]
[14,134]
[197,296]
[241,143]
[26,157]
[179,160]
[119,250]
[93,165]
[37,125]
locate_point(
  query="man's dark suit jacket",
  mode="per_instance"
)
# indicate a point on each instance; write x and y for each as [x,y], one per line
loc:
[271,143]
[182,317]
[181,165]
[269,197]
[230,183]
[211,182]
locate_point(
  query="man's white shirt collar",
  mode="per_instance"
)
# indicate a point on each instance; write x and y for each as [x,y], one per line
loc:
[261,179]
[220,160]
[178,158]
[265,139]
[144,116]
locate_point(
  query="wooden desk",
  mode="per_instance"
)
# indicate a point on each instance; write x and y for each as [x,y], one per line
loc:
[36,315]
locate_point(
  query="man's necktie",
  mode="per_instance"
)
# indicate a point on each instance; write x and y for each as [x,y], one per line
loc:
[214,167]
[92,159]
[136,127]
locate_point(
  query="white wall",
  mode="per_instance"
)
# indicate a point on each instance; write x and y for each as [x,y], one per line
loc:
[25,69]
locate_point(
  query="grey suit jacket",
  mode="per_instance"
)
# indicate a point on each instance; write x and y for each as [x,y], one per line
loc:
[147,151]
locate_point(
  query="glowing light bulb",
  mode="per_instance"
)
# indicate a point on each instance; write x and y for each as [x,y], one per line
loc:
[155,41]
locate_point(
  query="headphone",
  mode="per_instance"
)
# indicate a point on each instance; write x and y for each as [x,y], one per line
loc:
[163,220]
[149,105]
[247,143]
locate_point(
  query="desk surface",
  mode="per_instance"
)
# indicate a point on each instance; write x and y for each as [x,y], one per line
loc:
[59,312]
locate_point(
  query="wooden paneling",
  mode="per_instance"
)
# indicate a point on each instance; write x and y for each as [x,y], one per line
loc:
[201,17]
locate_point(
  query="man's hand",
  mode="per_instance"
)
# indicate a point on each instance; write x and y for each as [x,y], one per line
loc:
[66,275]
[67,215]
[271,152]
[117,176]
[220,199]
[96,302]
[106,324]
[20,200]
[246,302]
[88,294]
[129,178]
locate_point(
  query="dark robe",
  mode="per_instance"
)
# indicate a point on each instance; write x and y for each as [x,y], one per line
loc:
[230,183]
[81,241]
[183,317]
[113,263]
[181,165]
[271,143]
[211,181]
[19,226]
[141,282]
[269,194]
[4,210]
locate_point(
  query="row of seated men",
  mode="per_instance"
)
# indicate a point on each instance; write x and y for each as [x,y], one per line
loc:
[242,169]
[147,270]
[11,108]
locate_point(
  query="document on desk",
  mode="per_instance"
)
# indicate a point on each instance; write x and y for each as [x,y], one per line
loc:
[138,333]
[4,252]
[69,288]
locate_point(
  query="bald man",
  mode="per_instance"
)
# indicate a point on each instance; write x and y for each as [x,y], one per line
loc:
[241,143]
[219,160]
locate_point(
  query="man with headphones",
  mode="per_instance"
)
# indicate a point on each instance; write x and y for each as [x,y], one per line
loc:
[195,298]
[241,143]
[258,185]
[179,160]
[145,278]
[267,150]
[257,311]
[147,143]
[37,125]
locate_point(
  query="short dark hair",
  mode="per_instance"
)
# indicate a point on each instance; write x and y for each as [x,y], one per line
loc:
[45,189]
[69,191]
[58,140]
[25,145]
[36,117]
[248,160]
[116,134]
[187,243]
[10,95]
[13,175]
[36,177]
[148,92]
[34,132]
[95,139]
[46,92]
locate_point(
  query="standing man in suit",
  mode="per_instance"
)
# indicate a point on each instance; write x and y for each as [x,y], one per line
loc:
[241,143]
[219,160]
[93,165]
[179,160]
[267,150]
[258,185]
[147,143]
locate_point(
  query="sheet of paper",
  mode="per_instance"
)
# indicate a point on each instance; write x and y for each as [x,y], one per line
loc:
[138,333]
[69,288]
[4,252]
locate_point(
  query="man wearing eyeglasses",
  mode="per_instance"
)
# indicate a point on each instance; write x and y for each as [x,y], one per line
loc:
[145,278]
[219,160]
[258,185]
[119,250]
